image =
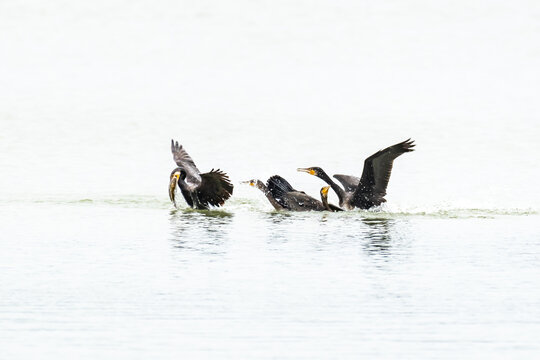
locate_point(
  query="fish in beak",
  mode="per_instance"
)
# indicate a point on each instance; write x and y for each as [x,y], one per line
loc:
[172,187]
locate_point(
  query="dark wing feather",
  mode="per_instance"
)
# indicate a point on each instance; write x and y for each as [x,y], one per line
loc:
[289,198]
[378,167]
[278,188]
[350,183]
[215,188]
[299,201]
[183,160]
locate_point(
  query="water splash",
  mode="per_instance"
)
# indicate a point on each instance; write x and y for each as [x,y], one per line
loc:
[260,206]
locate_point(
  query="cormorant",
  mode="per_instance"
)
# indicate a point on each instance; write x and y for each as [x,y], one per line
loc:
[370,189]
[283,196]
[324,198]
[199,190]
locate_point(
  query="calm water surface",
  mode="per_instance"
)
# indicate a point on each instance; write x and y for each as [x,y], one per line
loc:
[144,281]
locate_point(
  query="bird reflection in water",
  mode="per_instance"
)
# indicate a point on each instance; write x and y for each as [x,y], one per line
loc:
[377,235]
[279,217]
[201,231]
[278,223]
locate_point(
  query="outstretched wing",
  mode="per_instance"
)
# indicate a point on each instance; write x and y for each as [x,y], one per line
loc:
[378,167]
[215,188]
[183,160]
[350,183]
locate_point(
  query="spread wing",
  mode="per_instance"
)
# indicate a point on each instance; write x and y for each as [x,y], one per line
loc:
[378,167]
[279,188]
[289,198]
[350,183]
[215,188]
[183,160]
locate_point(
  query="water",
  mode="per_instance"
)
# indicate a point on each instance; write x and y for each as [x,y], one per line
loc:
[95,262]
[118,280]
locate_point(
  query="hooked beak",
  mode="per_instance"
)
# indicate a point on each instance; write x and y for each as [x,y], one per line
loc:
[306,170]
[248,182]
[324,190]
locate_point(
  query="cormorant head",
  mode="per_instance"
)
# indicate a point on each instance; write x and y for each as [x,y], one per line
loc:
[324,191]
[316,171]
[178,173]
[251,182]
[255,183]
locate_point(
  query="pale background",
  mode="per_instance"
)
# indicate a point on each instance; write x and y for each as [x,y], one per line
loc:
[92,93]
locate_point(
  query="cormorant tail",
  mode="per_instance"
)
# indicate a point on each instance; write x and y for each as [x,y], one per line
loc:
[335,208]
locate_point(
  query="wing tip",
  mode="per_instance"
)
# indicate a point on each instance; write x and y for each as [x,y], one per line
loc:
[175,146]
[407,145]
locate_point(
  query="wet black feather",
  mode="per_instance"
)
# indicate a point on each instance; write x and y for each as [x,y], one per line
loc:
[279,187]
[376,175]
[215,188]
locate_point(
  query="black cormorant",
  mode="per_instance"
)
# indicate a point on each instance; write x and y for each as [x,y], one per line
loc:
[283,196]
[370,189]
[200,190]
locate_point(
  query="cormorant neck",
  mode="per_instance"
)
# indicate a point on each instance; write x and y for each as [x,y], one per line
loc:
[325,202]
[181,183]
[339,191]
[261,186]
